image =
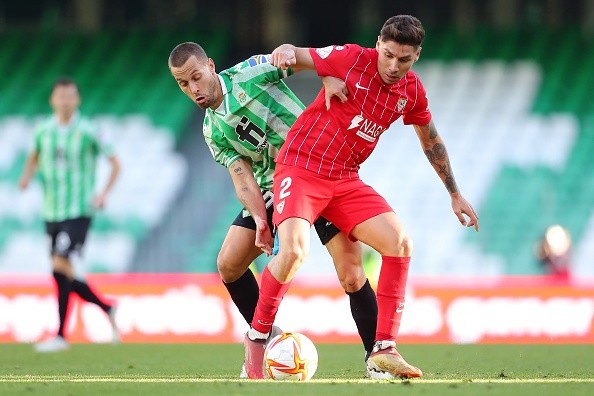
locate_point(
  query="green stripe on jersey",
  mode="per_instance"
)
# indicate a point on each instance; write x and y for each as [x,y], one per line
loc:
[67,159]
[253,120]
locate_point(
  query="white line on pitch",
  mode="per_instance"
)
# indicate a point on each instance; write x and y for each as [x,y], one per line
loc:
[142,379]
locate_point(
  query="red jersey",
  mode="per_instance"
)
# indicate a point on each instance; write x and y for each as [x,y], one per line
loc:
[334,143]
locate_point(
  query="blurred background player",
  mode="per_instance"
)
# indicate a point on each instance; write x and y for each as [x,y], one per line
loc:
[249,110]
[317,174]
[554,252]
[66,149]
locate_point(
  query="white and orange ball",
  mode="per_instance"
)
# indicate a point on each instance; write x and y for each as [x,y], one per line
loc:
[291,357]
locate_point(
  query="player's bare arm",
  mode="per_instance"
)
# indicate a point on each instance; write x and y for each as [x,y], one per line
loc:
[437,154]
[29,170]
[297,58]
[249,194]
[101,198]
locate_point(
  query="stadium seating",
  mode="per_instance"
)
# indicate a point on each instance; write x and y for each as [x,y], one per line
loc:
[126,86]
[518,123]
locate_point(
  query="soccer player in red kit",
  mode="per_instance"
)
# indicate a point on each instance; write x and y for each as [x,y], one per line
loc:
[317,174]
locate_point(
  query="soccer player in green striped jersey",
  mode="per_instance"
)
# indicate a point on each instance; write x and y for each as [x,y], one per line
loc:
[249,110]
[65,153]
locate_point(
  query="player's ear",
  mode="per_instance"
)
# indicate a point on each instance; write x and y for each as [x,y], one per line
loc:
[211,65]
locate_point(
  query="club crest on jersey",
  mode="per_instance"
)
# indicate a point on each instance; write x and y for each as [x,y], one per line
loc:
[368,130]
[258,60]
[242,97]
[324,52]
[400,104]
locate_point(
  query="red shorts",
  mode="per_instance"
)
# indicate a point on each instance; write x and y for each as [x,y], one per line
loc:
[301,193]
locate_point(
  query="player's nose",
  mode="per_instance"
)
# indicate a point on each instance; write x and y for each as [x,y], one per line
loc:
[194,88]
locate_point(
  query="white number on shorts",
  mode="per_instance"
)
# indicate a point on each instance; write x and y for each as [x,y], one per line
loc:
[268,198]
[285,184]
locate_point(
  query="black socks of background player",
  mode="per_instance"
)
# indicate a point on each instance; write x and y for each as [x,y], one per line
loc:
[364,310]
[85,292]
[64,287]
[244,292]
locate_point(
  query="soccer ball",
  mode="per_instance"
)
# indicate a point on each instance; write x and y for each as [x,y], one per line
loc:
[290,357]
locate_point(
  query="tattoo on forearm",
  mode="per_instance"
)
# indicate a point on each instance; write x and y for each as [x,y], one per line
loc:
[432,131]
[439,152]
[238,170]
[438,158]
[450,184]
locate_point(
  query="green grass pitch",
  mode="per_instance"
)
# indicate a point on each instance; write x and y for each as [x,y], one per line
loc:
[198,369]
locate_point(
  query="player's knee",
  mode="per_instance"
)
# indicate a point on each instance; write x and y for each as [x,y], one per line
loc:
[292,255]
[228,270]
[401,247]
[353,281]
[405,245]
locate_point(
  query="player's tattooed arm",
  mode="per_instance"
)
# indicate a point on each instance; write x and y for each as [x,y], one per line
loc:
[437,154]
[239,172]
[249,194]
[246,187]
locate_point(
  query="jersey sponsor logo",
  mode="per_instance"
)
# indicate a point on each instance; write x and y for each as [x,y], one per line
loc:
[359,86]
[280,207]
[368,130]
[400,308]
[258,60]
[324,52]
[400,104]
[249,132]
[60,156]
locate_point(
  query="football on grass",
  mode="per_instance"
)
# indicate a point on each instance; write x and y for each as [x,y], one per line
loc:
[291,357]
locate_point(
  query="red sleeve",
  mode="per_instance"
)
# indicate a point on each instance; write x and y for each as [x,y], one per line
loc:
[335,60]
[419,114]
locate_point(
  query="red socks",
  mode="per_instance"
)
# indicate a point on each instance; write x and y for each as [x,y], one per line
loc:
[271,295]
[391,288]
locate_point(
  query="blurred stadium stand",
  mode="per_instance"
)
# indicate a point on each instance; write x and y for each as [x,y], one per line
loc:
[510,89]
[518,125]
[128,89]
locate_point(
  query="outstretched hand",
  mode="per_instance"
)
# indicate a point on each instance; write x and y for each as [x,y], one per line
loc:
[263,236]
[462,207]
[334,86]
[283,57]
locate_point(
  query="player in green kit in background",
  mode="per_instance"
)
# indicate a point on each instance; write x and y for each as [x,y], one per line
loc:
[65,153]
[249,110]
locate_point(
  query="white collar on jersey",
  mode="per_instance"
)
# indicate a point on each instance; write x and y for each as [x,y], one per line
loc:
[224,106]
[73,121]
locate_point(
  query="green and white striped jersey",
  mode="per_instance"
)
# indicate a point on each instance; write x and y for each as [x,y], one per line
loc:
[253,120]
[67,165]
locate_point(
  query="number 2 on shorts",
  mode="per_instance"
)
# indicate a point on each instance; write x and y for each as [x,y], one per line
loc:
[285,184]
